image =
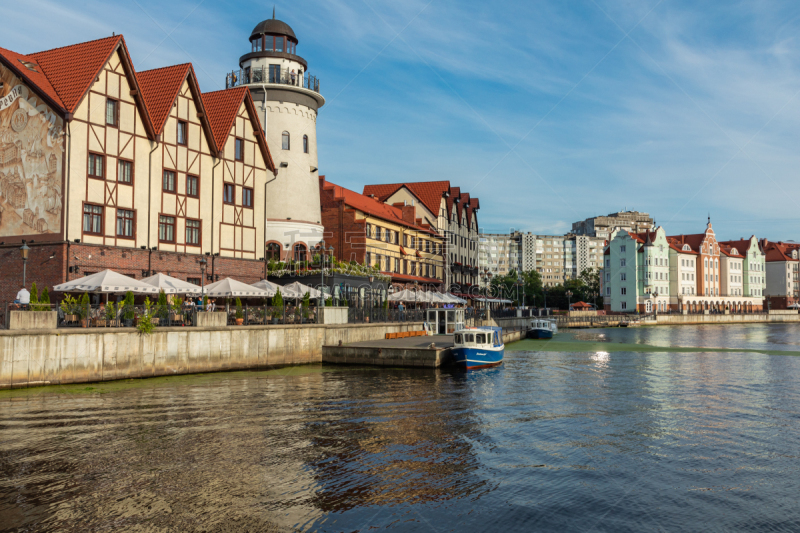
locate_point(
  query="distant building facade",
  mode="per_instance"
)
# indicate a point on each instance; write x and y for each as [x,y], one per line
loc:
[603,226]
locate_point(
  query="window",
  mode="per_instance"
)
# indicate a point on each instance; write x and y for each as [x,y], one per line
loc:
[168,183]
[182,132]
[193,232]
[274,70]
[274,251]
[285,140]
[622,249]
[247,197]
[622,263]
[96,164]
[196,281]
[192,186]
[227,193]
[112,112]
[93,219]
[166,229]
[239,150]
[623,305]
[300,252]
[125,223]
[125,171]
[305,144]
[622,276]
[397,265]
[623,290]
[279,44]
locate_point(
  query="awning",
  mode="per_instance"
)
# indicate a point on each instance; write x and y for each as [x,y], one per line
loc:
[107,281]
[171,285]
[229,287]
[300,290]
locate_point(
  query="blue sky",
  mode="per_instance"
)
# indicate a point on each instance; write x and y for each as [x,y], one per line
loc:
[548,111]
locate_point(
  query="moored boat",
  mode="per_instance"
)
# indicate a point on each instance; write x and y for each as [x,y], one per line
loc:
[478,347]
[542,328]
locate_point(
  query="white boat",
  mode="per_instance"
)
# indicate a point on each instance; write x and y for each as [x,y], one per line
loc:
[542,328]
[478,347]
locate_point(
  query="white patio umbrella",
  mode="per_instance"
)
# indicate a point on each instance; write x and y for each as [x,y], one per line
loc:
[271,288]
[455,299]
[107,281]
[403,296]
[229,287]
[300,290]
[171,285]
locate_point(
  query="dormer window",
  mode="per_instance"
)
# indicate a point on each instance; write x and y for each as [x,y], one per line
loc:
[686,248]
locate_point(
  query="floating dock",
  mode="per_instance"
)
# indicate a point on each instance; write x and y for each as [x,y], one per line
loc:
[427,351]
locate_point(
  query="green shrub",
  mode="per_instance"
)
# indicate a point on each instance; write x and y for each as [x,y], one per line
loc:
[83,310]
[128,303]
[45,299]
[277,302]
[110,314]
[239,312]
[145,325]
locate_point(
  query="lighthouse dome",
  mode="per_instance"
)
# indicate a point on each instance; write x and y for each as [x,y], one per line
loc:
[273,27]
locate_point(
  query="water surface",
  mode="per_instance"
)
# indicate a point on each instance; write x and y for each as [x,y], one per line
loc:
[600,430]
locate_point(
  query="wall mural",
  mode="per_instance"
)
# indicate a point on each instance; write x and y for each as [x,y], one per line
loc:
[31,159]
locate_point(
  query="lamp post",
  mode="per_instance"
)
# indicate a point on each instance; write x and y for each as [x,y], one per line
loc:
[203,265]
[24,250]
[544,293]
[568,294]
[521,281]
[655,302]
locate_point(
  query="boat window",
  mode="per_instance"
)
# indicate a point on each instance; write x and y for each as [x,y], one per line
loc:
[458,338]
[469,337]
[480,338]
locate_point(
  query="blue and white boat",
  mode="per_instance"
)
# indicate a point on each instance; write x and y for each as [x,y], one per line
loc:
[478,347]
[542,328]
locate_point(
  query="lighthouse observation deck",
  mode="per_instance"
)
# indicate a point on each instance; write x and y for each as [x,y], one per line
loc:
[270,75]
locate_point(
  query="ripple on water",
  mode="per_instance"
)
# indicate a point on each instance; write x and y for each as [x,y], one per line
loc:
[594,436]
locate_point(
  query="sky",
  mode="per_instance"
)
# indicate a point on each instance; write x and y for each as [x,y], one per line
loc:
[548,111]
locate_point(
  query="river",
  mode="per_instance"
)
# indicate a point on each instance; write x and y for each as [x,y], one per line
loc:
[665,429]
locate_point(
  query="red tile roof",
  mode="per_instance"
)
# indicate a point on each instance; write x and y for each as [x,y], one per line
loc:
[429,192]
[742,245]
[71,70]
[371,206]
[160,88]
[780,251]
[223,108]
[35,78]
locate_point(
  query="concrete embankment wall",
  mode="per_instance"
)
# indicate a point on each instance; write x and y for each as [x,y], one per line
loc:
[724,319]
[85,355]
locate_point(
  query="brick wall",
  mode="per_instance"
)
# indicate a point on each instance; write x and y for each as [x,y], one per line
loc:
[347,235]
[48,265]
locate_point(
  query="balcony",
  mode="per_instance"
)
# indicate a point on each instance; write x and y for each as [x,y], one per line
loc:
[261,75]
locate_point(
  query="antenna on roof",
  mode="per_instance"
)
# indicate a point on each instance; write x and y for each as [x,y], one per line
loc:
[273,12]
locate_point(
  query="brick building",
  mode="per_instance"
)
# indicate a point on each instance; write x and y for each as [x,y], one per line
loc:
[452,214]
[138,172]
[370,232]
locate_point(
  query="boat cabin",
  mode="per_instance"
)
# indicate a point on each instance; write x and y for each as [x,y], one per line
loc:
[478,338]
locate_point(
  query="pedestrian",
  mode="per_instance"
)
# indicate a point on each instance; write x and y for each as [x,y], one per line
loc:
[294,77]
[23,297]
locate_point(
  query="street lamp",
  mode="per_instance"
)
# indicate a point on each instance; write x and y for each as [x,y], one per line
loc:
[203,265]
[521,281]
[568,294]
[655,302]
[24,251]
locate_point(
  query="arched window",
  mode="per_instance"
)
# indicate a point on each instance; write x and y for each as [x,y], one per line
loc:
[274,251]
[305,144]
[285,140]
[300,252]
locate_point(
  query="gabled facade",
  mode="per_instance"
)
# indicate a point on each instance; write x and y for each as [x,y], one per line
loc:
[782,265]
[370,232]
[452,213]
[753,267]
[128,170]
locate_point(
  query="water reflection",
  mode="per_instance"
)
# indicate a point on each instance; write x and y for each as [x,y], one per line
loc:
[607,439]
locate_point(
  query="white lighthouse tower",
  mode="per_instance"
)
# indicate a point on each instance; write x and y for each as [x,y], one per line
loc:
[289,98]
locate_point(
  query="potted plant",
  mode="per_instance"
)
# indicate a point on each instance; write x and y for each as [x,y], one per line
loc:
[177,309]
[83,309]
[128,313]
[111,315]
[44,300]
[68,307]
[239,312]
[277,303]
[147,321]
[306,305]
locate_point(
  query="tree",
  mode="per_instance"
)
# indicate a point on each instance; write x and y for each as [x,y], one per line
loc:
[591,278]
